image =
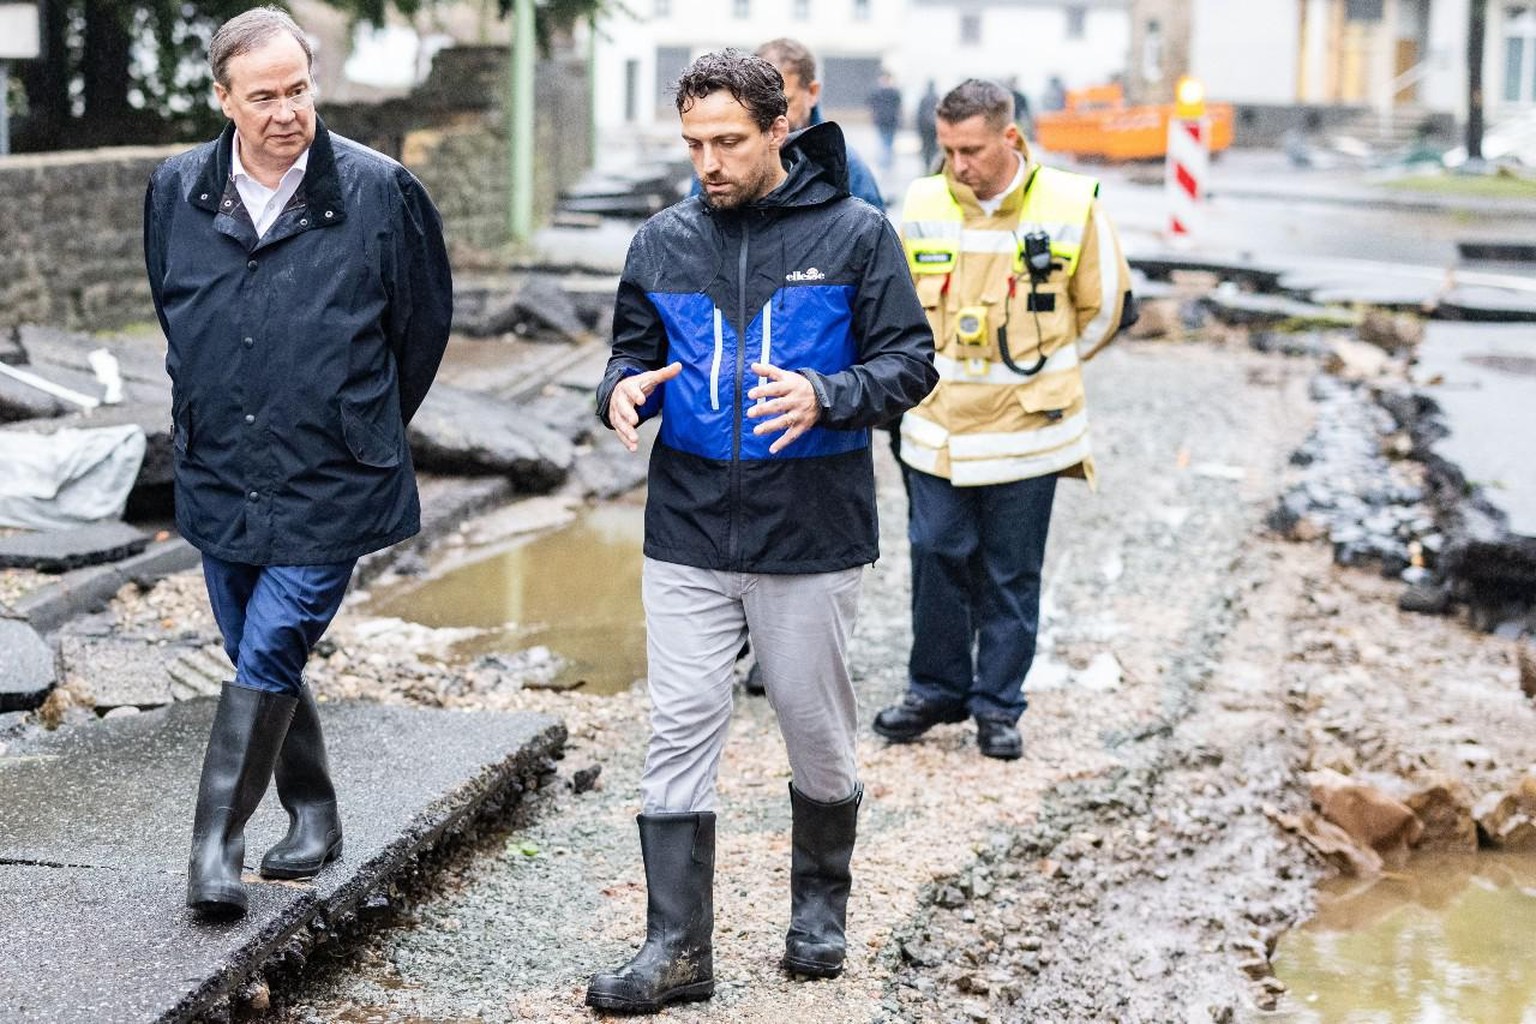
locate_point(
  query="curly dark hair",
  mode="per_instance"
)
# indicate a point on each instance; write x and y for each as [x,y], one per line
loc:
[751,81]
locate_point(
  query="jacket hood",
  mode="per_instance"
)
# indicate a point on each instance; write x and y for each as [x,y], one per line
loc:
[817,162]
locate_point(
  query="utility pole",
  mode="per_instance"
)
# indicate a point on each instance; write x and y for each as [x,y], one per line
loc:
[520,86]
[1477,34]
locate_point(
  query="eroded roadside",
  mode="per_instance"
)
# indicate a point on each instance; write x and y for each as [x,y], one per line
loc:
[1127,869]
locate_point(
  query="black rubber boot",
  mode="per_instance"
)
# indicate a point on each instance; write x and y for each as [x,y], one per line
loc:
[303,778]
[676,964]
[248,730]
[819,881]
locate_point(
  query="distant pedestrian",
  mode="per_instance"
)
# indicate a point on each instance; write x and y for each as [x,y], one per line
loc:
[1022,277]
[303,287]
[1021,115]
[769,323]
[1055,97]
[927,129]
[885,112]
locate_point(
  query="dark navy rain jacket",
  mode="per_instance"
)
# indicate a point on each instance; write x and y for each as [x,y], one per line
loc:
[805,278]
[297,359]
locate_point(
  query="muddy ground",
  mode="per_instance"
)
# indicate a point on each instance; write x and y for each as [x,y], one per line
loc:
[1127,869]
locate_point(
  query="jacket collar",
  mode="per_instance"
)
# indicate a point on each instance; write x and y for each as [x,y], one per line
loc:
[321,187]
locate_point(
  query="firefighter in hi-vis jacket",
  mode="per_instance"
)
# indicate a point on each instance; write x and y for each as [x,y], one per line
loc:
[1022,278]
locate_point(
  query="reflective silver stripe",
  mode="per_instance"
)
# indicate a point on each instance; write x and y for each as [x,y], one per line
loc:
[767,357]
[714,367]
[921,430]
[1018,442]
[1103,325]
[1071,234]
[1063,359]
[930,229]
[978,472]
[924,459]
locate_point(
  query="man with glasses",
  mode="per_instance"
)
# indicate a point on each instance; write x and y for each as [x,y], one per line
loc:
[303,287]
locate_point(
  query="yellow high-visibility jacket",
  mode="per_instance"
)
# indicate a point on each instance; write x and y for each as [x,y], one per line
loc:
[984,423]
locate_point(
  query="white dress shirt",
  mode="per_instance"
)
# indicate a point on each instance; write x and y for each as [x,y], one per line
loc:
[262,203]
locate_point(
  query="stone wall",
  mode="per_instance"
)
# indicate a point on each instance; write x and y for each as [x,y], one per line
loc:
[70,248]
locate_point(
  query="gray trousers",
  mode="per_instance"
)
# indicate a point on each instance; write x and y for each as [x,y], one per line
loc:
[695,621]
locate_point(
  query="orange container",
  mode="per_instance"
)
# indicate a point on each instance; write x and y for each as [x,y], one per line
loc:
[1098,125]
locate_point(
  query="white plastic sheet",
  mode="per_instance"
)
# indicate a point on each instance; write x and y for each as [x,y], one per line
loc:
[68,478]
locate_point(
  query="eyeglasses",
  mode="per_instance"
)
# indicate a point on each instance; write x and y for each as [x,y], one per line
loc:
[303,99]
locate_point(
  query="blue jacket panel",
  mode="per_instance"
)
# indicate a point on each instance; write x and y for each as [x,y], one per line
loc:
[297,358]
[819,280]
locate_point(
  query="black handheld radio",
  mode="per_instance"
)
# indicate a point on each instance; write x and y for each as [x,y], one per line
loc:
[1035,250]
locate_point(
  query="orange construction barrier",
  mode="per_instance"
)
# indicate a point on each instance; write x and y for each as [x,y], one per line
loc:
[1097,124]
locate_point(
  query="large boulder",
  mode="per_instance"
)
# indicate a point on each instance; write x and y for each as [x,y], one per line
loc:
[27,667]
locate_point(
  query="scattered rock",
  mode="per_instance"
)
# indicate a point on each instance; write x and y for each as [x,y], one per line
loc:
[1367,815]
[1394,332]
[1445,809]
[1525,657]
[1356,360]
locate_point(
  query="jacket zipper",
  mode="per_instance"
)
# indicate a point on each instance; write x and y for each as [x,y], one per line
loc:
[736,386]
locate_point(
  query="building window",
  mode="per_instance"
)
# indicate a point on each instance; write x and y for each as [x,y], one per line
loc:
[1363,10]
[860,10]
[1077,20]
[1520,54]
[801,10]
[742,8]
[970,29]
[663,8]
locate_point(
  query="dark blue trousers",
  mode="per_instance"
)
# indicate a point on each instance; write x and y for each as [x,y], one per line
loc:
[272,616]
[976,558]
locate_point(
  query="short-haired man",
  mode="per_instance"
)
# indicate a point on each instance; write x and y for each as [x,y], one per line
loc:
[303,287]
[802,91]
[1022,279]
[770,323]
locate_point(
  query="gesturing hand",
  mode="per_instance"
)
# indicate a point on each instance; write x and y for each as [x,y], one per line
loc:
[787,397]
[629,395]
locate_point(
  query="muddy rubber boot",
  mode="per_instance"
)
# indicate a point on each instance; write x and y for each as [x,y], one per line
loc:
[819,881]
[303,779]
[676,963]
[248,730]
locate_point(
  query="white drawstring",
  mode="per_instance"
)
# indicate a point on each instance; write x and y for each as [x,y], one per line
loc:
[767,355]
[714,367]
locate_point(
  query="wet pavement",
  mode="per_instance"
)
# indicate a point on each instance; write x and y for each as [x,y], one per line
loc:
[97,824]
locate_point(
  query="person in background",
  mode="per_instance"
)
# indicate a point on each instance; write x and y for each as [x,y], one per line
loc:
[769,323]
[927,128]
[885,113]
[304,290]
[1022,278]
[802,90]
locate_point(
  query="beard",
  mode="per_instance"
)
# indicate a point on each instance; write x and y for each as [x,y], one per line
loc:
[740,193]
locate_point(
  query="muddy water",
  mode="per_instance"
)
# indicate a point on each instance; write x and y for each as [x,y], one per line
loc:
[1450,939]
[574,590]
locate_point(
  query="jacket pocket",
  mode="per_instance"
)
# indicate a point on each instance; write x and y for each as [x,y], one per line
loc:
[369,444]
[1051,392]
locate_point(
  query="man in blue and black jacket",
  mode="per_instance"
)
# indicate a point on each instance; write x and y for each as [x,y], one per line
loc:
[770,323]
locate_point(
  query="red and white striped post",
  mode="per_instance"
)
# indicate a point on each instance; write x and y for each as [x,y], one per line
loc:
[1189,159]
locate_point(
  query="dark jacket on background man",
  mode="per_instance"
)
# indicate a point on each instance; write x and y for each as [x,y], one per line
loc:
[298,358]
[806,280]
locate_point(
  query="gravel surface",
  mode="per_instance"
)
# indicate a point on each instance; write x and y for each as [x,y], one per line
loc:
[1126,869]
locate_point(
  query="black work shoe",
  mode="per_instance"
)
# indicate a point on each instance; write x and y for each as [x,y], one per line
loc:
[753,684]
[905,722]
[999,738]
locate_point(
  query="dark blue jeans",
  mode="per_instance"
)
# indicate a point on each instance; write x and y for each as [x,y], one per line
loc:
[976,558]
[272,616]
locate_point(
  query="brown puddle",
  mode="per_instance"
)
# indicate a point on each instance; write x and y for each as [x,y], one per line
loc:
[1451,939]
[574,590]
